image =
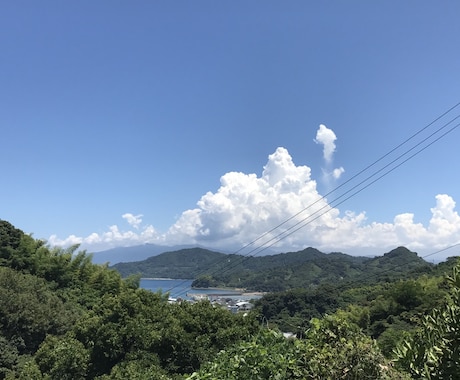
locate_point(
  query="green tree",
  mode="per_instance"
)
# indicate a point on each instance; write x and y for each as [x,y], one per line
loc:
[17,248]
[433,351]
[9,356]
[63,358]
[136,323]
[9,235]
[30,310]
[407,294]
[332,348]
[266,356]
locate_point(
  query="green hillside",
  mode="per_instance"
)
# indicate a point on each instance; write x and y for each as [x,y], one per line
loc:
[302,269]
[62,317]
[184,264]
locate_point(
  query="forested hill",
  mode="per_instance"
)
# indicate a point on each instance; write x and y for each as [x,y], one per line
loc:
[185,263]
[305,268]
[63,317]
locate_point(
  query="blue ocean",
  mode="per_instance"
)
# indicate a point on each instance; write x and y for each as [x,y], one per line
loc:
[180,288]
[175,288]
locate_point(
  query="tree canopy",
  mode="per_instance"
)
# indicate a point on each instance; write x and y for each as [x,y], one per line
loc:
[63,317]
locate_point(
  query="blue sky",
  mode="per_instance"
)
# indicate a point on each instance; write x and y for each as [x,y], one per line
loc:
[128,122]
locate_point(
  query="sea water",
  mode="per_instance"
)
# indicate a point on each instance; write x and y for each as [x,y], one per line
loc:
[177,288]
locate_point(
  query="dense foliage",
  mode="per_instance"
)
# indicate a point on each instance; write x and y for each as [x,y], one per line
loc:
[384,310]
[185,263]
[331,348]
[63,317]
[433,351]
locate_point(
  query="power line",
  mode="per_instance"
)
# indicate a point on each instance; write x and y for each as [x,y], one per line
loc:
[300,224]
[334,203]
[353,177]
[328,208]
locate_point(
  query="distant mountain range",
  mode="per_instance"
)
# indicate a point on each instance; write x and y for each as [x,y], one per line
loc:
[134,253]
[142,252]
[305,268]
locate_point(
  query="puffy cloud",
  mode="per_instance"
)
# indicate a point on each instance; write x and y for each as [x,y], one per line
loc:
[247,208]
[352,233]
[326,137]
[68,241]
[133,220]
[112,238]
[337,173]
[445,221]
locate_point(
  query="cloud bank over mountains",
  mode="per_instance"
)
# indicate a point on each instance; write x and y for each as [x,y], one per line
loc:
[247,207]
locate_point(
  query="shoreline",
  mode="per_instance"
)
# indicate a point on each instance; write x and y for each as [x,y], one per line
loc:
[166,278]
[235,291]
[212,291]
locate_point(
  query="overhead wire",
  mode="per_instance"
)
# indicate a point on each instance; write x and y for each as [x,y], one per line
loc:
[292,229]
[334,203]
[381,158]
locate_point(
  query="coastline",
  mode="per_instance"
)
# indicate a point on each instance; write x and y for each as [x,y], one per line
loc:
[235,291]
[182,288]
[166,278]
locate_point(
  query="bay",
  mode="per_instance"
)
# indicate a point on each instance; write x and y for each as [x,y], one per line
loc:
[177,288]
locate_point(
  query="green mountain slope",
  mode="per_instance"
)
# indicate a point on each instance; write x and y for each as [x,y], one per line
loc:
[301,269]
[63,317]
[184,263]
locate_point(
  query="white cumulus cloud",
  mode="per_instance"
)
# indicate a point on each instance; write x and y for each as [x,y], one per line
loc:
[337,173]
[245,206]
[326,137]
[113,237]
[248,207]
[133,220]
